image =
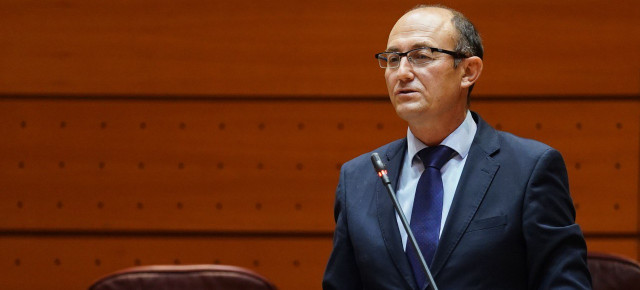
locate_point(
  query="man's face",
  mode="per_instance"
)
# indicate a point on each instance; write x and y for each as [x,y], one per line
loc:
[428,94]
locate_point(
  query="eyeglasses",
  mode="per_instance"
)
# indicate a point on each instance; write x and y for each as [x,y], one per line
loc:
[416,56]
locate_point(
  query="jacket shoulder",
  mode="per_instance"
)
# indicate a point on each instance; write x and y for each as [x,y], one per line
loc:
[521,146]
[364,161]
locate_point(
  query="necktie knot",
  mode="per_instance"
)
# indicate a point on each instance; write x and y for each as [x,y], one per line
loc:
[436,156]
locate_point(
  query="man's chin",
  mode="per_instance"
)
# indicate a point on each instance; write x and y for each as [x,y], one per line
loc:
[409,113]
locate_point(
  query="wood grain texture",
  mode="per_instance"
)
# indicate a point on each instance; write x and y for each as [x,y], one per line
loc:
[230,165]
[76,262]
[92,185]
[279,95]
[269,165]
[626,247]
[302,48]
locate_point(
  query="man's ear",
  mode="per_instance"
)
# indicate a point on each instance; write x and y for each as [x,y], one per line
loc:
[472,69]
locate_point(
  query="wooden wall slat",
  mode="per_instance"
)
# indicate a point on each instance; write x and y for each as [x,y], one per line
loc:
[180,165]
[264,165]
[626,247]
[76,262]
[301,48]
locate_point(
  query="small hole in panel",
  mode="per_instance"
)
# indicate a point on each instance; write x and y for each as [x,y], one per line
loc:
[261,126]
[57,262]
[61,164]
[379,126]
[23,124]
[260,165]
[219,206]
[141,165]
[221,126]
[296,263]
[578,165]
[299,166]
[576,206]
[616,206]
[256,263]
[100,205]
[97,262]
[617,165]
[300,126]
[143,125]
[101,165]
[579,126]
[20,204]
[137,262]
[216,261]
[103,125]
[59,205]
[63,124]
[538,126]
[139,205]
[183,126]
[258,206]
[21,164]
[619,125]
[338,166]
[180,165]
[179,205]
[298,206]
[340,126]
[220,165]
[176,262]
[498,126]
[17,262]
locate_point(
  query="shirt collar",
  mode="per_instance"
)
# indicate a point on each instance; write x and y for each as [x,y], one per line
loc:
[459,140]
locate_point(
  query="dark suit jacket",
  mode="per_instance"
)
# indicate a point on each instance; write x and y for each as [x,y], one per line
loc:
[510,226]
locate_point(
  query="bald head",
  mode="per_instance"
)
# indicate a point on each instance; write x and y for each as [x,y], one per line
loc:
[432,22]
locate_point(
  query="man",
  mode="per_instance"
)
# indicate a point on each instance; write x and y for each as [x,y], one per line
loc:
[496,214]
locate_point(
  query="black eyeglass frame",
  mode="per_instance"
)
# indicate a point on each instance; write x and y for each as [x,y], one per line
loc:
[456,55]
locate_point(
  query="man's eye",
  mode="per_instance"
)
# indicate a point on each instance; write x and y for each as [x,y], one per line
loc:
[422,56]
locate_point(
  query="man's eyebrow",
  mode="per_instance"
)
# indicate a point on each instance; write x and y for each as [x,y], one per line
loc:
[420,44]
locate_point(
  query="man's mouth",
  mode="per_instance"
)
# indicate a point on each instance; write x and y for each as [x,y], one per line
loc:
[405,91]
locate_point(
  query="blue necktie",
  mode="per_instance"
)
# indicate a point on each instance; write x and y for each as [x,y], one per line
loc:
[427,209]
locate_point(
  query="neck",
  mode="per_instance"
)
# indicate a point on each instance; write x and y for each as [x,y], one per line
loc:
[433,133]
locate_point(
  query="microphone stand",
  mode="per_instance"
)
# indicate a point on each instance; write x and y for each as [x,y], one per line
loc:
[382,173]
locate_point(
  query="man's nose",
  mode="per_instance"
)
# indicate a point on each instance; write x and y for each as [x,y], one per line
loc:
[405,70]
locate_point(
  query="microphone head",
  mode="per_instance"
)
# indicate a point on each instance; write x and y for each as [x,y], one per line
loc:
[377,162]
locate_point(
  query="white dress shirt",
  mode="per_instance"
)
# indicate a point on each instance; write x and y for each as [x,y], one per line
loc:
[460,141]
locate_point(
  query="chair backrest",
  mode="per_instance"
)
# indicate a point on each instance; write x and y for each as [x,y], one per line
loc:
[610,272]
[173,277]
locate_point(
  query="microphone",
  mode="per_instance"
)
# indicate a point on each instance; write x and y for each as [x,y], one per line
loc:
[380,168]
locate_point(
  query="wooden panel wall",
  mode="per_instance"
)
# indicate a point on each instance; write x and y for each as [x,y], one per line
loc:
[301,48]
[93,185]
[139,133]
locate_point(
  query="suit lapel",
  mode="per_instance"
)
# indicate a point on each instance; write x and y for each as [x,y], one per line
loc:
[477,175]
[386,214]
